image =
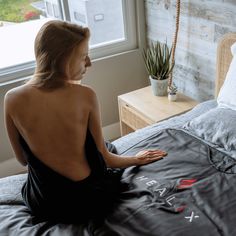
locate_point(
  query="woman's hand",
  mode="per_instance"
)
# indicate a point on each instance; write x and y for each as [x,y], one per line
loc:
[147,156]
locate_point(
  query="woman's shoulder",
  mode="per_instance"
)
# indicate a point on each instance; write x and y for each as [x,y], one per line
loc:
[17,92]
[85,90]
[88,95]
[15,97]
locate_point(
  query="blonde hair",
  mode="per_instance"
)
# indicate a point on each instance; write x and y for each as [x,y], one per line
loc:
[53,45]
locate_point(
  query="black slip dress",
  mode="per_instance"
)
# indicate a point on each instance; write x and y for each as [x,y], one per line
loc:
[51,196]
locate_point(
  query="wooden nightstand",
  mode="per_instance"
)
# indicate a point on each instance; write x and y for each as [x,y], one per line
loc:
[141,108]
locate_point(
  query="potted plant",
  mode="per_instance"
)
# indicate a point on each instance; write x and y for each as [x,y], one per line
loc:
[172,92]
[157,58]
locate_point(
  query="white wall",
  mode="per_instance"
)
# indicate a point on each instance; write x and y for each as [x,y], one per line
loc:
[202,24]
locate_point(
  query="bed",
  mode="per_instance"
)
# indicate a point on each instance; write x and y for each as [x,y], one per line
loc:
[189,192]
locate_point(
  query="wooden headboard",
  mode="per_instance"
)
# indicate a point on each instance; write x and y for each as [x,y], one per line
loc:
[224,58]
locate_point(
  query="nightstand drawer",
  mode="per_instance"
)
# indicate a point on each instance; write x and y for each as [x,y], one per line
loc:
[132,118]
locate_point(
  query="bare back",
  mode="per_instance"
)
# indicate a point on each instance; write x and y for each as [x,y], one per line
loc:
[54,125]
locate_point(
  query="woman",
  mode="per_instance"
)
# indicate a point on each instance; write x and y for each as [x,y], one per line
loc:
[54,127]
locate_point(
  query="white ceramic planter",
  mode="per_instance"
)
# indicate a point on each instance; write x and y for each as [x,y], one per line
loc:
[159,87]
[172,97]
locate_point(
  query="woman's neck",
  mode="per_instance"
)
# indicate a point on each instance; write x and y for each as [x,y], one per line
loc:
[73,81]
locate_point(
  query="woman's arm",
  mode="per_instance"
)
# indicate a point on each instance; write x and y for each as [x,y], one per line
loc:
[13,133]
[113,160]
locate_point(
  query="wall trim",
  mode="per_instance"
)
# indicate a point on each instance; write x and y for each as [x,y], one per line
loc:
[112,131]
[11,167]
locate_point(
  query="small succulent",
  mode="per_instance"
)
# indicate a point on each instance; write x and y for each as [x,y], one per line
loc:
[172,89]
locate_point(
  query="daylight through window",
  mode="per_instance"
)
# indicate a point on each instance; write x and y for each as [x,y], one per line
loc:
[111,22]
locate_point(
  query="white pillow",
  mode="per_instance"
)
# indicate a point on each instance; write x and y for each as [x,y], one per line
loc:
[227,94]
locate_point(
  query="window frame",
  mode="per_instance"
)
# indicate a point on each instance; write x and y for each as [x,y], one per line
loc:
[19,71]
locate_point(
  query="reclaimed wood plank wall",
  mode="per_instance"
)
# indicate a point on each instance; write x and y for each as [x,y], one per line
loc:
[202,24]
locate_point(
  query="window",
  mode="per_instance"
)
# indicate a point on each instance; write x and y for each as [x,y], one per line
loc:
[80,18]
[112,25]
[49,9]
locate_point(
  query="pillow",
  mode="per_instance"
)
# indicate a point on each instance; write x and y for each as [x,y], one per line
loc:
[217,126]
[227,94]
